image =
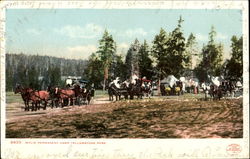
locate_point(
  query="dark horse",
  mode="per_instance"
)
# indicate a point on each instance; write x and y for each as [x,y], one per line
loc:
[25,96]
[147,89]
[83,94]
[216,92]
[113,91]
[136,89]
[53,96]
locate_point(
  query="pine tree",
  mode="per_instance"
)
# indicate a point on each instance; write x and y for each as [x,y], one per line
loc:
[118,67]
[177,58]
[106,51]
[191,50]
[159,52]
[93,71]
[128,64]
[211,64]
[145,63]
[234,67]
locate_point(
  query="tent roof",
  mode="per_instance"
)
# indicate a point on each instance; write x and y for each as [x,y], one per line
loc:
[169,78]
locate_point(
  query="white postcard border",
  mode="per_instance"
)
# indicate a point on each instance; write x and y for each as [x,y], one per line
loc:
[127,148]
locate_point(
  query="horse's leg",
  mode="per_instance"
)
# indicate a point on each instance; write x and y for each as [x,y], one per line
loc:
[38,106]
[62,102]
[45,104]
[32,107]
[35,106]
[70,101]
[88,99]
[28,107]
[25,105]
[57,102]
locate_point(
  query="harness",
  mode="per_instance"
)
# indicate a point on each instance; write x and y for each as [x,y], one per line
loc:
[60,91]
[35,94]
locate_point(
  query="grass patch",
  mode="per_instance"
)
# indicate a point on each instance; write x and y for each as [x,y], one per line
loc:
[11,97]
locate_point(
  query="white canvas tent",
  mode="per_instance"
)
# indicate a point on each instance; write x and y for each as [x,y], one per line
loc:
[171,80]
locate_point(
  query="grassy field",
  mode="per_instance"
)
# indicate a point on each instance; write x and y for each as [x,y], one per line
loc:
[11,97]
[165,117]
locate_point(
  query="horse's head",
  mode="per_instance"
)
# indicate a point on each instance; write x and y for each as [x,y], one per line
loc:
[18,89]
[77,89]
[49,89]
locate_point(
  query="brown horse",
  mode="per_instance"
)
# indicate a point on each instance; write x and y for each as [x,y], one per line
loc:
[25,96]
[65,95]
[37,97]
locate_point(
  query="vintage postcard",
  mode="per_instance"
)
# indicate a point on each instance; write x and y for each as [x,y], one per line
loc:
[124,79]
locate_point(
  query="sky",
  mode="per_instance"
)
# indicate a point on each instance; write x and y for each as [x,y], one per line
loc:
[74,33]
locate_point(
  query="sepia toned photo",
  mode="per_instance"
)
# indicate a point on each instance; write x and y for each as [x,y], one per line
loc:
[85,76]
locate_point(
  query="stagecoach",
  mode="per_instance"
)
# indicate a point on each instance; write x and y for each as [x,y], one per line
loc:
[84,91]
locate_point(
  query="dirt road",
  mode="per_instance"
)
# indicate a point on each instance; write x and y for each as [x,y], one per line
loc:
[15,111]
[148,118]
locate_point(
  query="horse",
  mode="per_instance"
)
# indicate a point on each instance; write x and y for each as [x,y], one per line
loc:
[64,96]
[216,92]
[113,90]
[53,96]
[36,97]
[78,93]
[90,95]
[25,96]
[146,89]
[84,94]
[135,89]
[228,88]
[124,90]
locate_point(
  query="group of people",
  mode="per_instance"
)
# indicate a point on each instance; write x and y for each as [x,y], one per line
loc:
[217,89]
[129,88]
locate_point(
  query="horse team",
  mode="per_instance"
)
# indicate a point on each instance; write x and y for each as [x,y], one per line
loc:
[54,96]
[128,89]
[217,91]
[136,87]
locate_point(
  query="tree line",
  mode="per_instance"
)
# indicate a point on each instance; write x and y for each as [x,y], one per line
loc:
[39,72]
[170,54]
